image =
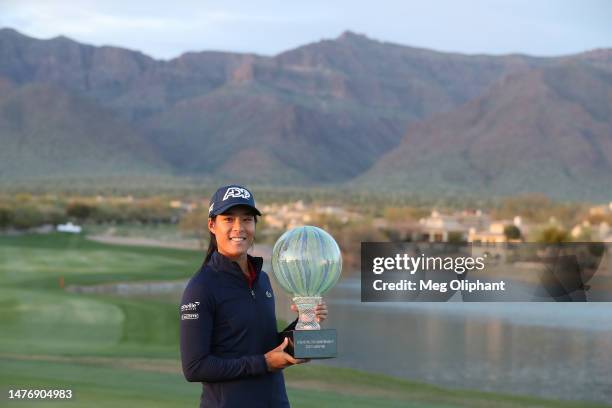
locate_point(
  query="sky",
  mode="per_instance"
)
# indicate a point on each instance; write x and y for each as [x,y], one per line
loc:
[165,29]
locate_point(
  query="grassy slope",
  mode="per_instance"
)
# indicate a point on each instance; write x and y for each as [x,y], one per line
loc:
[123,352]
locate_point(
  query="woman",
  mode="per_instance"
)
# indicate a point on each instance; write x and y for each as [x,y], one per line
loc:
[229,340]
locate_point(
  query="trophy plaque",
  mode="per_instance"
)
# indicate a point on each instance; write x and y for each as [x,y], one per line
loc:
[306,262]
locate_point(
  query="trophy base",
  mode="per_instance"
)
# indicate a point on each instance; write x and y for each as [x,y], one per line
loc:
[311,343]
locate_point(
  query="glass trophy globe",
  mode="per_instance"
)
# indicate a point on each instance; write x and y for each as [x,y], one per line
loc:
[306,262]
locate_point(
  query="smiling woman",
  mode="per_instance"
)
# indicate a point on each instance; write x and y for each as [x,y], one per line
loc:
[229,340]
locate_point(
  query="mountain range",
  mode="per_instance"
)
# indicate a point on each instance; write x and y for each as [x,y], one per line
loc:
[349,111]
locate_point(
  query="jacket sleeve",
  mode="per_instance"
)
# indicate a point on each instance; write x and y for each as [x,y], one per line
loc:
[196,325]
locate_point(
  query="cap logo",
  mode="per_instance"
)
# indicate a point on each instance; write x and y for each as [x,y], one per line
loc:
[236,192]
[211,207]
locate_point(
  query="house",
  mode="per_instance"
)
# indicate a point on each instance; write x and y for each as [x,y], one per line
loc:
[441,228]
[586,231]
[495,233]
[601,209]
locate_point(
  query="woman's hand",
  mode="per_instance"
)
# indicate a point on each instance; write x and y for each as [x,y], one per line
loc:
[277,359]
[320,310]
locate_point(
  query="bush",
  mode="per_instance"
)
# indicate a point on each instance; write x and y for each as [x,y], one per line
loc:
[553,235]
[26,217]
[6,217]
[455,238]
[80,211]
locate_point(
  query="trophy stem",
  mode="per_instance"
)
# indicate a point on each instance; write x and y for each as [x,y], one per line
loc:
[307,319]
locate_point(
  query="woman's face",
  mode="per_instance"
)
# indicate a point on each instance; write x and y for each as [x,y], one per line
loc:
[234,230]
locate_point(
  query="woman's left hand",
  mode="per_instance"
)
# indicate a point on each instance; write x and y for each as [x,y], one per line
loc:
[320,310]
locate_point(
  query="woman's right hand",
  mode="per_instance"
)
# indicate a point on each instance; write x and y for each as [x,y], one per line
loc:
[277,358]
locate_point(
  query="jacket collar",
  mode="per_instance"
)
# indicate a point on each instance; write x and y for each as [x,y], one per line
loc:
[223,264]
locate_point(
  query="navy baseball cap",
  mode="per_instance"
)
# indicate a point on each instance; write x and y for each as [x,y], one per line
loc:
[227,197]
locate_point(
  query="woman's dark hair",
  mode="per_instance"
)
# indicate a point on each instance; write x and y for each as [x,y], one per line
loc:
[212,245]
[212,242]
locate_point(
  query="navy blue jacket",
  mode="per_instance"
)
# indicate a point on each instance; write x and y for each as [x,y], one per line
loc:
[226,328]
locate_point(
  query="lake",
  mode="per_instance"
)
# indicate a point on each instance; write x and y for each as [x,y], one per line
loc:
[554,350]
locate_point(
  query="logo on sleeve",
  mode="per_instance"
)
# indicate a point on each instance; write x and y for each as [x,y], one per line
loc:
[268,294]
[190,307]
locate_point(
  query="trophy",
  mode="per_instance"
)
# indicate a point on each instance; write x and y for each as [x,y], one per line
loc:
[306,262]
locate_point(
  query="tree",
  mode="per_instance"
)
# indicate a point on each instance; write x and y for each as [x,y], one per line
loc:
[196,223]
[512,232]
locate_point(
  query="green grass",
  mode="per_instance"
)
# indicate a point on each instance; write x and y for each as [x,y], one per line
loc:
[108,383]
[38,261]
[123,352]
[162,231]
[38,317]
[100,385]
